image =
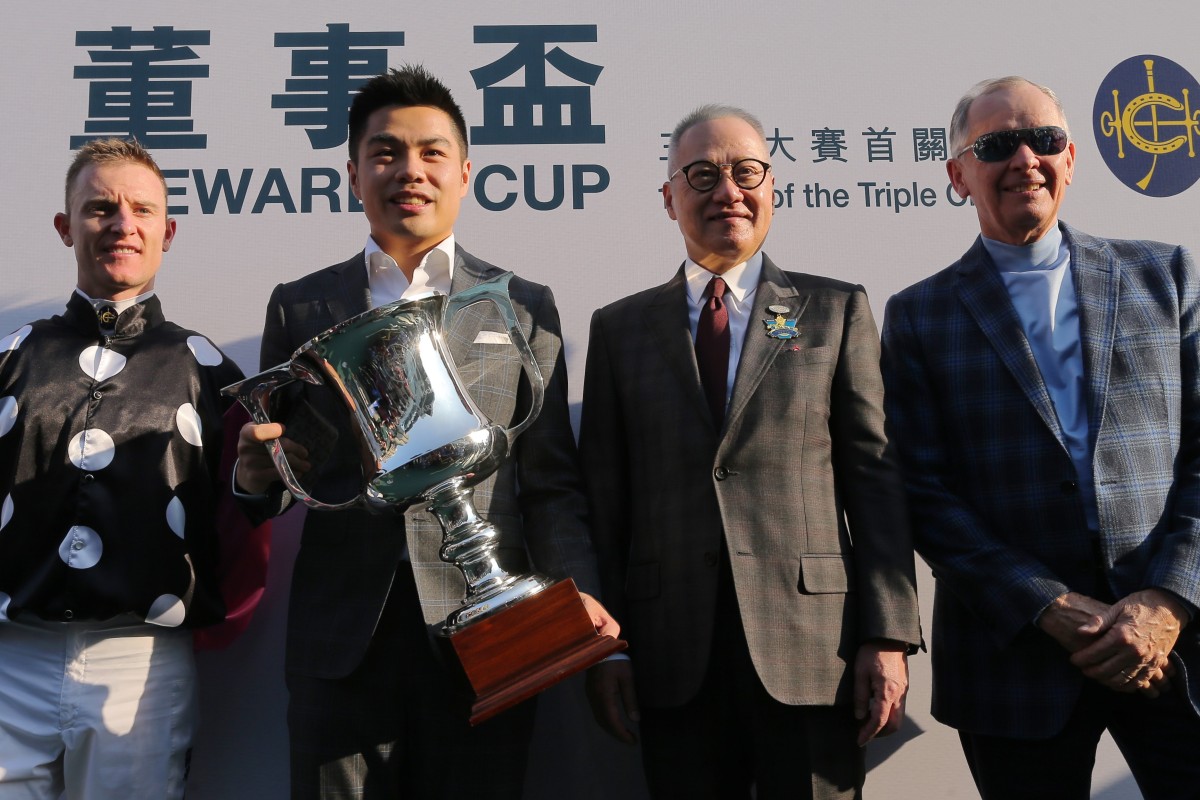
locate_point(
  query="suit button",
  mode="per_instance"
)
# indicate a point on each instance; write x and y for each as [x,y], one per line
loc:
[710,559]
[68,615]
[1069,487]
[88,477]
[720,473]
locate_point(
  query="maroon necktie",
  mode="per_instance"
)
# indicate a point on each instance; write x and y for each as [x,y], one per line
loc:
[712,348]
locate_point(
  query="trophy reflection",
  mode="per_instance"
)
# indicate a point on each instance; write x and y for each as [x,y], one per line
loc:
[422,441]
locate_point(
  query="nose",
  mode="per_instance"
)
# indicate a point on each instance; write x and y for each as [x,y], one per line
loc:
[726,190]
[123,221]
[409,167]
[1024,156]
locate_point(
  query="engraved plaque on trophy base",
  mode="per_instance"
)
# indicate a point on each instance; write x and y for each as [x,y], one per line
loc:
[515,653]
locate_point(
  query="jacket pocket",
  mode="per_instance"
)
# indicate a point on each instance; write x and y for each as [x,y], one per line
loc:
[831,573]
[812,355]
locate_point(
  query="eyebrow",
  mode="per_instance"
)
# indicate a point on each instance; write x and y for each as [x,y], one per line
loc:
[101,200]
[383,137]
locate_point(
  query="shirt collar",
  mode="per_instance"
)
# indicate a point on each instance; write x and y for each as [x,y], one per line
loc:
[436,269]
[741,279]
[118,305]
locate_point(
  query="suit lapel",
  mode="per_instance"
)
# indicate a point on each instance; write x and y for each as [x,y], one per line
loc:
[758,349]
[671,332]
[465,327]
[349,293]
[1097,282]
[986,299]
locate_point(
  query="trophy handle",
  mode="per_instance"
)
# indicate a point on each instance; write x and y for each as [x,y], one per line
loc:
[255,394]
[496,291]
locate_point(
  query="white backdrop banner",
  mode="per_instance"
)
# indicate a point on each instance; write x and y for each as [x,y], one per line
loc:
[569,105]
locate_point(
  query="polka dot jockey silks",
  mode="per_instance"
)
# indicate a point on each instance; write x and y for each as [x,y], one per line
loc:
[109,451]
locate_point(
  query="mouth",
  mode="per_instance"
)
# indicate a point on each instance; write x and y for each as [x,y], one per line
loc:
[1025,188]
[407,200]
[122,250]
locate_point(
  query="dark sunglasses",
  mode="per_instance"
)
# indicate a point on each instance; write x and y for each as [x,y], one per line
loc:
[1047,140]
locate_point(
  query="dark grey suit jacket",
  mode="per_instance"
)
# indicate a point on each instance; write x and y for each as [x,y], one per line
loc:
[347,559]
[799,482]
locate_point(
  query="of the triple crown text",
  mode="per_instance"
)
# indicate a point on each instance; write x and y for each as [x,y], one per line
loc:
[884,196]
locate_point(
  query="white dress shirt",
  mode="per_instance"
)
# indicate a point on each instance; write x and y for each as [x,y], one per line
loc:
[388,284]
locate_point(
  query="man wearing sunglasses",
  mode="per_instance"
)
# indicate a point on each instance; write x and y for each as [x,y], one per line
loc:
[732,442]
[1043,394]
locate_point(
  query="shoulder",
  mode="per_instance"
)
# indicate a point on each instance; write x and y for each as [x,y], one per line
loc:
[807,283]
[25,342]
[201,349]
[1128,252]
[528,297]
[317,283]
[635,303]
[932,288]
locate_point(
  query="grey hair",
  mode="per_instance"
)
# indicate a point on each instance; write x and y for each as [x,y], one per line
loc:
[958,121]
[707,113]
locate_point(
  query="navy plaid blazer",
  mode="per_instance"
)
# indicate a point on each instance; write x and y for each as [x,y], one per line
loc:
[993,492]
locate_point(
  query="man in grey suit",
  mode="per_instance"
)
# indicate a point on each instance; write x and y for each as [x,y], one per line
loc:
[1043,395]
[371,711]
[747,514]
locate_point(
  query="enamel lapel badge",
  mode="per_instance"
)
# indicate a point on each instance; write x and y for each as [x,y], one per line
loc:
[781,327]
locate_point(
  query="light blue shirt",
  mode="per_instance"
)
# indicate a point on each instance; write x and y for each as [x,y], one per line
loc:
[1038,278]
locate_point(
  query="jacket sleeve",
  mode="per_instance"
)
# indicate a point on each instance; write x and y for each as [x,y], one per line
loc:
[602,438]
[550,492]
[1176,563]
[869,485]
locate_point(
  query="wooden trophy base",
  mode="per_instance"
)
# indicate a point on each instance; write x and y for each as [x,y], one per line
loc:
[513,654]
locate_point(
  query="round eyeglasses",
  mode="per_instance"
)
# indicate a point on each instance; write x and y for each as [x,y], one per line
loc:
[1047,140]
[703,176]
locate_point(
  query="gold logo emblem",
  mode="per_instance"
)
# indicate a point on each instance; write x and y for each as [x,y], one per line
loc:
[1154,122]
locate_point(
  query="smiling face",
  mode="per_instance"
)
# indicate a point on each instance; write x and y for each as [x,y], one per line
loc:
[724,226]
[117,223]
[411,177]
[1016,199]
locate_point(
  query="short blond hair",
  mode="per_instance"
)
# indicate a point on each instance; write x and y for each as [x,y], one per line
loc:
[110,151]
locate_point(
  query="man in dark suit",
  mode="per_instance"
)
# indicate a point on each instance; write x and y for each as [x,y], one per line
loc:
[1042,392]
[370,711]
[747,514]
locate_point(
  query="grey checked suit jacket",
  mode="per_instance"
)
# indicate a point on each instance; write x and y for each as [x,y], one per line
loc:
[347,559]
[993,492]
[802,453]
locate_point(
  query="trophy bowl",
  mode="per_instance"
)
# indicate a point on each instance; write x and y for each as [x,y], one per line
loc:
[421,441]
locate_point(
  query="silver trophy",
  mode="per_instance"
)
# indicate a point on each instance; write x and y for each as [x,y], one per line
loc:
[422,439]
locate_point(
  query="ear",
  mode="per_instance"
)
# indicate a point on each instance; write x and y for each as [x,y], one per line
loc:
[62,224]
[352,171]
[169,234]
[1070,171]
[955,171]
[666,193]
[466,176]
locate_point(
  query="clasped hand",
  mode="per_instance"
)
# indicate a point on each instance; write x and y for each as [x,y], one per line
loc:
[1123,646]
